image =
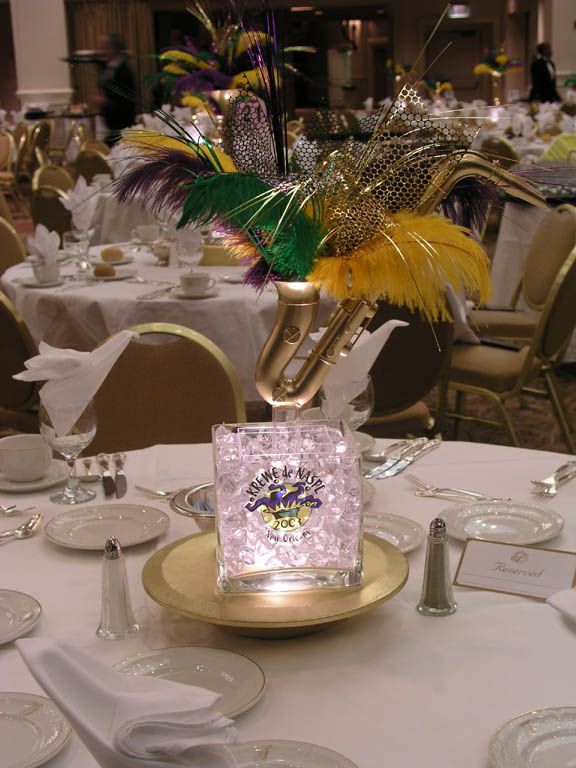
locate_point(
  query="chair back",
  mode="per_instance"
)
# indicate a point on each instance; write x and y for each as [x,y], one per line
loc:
[23,160]
[499,150]
[46,208]
[413,360]
[42,134]
[95,145]
[52,176]
[5,212]
[6,151]
[551,245]
[169,386]
[17,347]
[20,130]
[558,318]
[12,249]
[89,163]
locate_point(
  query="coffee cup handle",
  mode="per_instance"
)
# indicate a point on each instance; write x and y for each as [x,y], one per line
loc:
[211,284]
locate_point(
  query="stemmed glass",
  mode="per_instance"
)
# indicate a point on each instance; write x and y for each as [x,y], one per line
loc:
[75,245]
[359,409]
[70,446]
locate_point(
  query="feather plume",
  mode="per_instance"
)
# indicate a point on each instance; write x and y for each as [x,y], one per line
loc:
[469,203]
[150,142]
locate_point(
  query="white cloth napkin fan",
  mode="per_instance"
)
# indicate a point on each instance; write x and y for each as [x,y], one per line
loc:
[127,721]
[81,202]
[43,245]
[565,602]
[72,378]
[348,377]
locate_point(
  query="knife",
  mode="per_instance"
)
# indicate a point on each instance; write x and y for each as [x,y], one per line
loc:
[400,453]
[120,476]
[107,480]
[405,461]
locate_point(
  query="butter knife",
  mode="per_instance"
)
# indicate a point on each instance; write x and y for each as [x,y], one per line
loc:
[406,460]
[107,480]
[400,453]
[120,476]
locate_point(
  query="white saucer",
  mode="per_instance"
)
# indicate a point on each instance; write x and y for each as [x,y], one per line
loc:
[233,279]
[238,679]
[273,753]
[32,730]
[18,613]
[57,473]
[545,738]
[124,260]
[121,274]
[29,282]
[505,521]
[178,294]
[400,531]
[89,527]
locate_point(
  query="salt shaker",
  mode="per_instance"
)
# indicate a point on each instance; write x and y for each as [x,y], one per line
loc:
[117,621]
[437,598]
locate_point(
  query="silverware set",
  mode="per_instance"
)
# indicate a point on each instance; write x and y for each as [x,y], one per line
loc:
[157,293]
[451,494]
[159,494]
[113,486]
[401,455]
[23,531]
[14,510]
[550,485]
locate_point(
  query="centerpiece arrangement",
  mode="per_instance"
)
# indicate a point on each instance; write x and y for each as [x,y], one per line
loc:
[357,222]
[496,63]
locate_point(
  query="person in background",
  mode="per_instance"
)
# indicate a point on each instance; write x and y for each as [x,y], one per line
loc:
[543,75]
[117,89]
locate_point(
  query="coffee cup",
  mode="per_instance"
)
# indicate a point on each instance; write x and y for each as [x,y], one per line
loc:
[24,458]
[196,283]
[46,273]
[102,180]
[146,233]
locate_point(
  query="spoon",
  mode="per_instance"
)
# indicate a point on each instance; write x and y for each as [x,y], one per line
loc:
[14,510]
[25,530]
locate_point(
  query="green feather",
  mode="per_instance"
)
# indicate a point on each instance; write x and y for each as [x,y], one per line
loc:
[275,222]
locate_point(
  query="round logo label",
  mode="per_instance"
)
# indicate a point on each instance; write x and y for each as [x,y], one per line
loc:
[285,506]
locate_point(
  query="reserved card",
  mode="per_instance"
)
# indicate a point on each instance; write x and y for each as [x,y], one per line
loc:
[526,571]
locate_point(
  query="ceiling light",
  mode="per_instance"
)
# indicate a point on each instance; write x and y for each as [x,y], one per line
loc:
[459,11]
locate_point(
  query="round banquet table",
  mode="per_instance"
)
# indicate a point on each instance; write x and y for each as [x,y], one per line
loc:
[81,315]
[389,687]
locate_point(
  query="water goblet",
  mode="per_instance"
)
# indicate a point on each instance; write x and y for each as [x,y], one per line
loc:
[70,446]
[359,409]
[75,245]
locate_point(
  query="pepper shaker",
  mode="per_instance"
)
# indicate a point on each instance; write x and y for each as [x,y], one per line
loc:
[117,620]
[437,598]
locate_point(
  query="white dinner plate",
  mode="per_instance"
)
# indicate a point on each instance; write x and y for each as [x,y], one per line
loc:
[368,492]
[178,293]
[400,531]
[57,473]
[18,613]
[124,260]
[238,679]
[505,521]
[542,739]
[30,282]
[89,527]
[32,730]
[286,754]
[121,274]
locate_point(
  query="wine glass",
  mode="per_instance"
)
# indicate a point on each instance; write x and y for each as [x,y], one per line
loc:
[70,446]
[188,247]
[75,245]
[358,410]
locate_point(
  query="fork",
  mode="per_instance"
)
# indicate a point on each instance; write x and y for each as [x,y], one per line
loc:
[549,485]
[159,494]
[430,491]
[14,510]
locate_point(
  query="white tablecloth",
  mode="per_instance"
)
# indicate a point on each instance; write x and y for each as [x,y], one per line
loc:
[114,222]
[237,319]
[389,688]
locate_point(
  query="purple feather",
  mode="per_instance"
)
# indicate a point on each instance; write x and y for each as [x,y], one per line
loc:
[202,80]
[161,181]
[469,203]
[260,274]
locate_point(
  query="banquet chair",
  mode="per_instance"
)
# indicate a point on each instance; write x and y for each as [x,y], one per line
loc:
[18,399]
[413,361]
[9,167]
[170,385]
[52,176]
[42,135]
[215,255]
[96,146]
[500,151]
[502,373]
[12,249]
[90,163]
[552,243]
[46,208]
[5,212]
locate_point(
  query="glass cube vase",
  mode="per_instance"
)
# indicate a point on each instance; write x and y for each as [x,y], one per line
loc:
[288,506]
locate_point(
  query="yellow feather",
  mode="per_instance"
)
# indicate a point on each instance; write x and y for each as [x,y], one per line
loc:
[149,142]
[409,264]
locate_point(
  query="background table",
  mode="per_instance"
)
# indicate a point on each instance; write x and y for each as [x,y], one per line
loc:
[388,688]
[80,316]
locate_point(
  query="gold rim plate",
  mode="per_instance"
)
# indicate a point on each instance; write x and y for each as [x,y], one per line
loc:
[182,578]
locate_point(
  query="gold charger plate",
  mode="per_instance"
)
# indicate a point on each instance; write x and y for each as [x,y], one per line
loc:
[182,577]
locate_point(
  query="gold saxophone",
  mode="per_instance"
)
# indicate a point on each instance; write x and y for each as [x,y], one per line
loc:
[298,303]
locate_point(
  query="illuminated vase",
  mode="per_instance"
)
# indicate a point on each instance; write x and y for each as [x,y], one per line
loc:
[288,492]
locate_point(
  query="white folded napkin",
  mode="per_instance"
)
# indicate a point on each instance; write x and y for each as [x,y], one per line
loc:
[72,378]
[43,245]
[565,602]
[459,309]
[348,377]
[127,721]
[81,202]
